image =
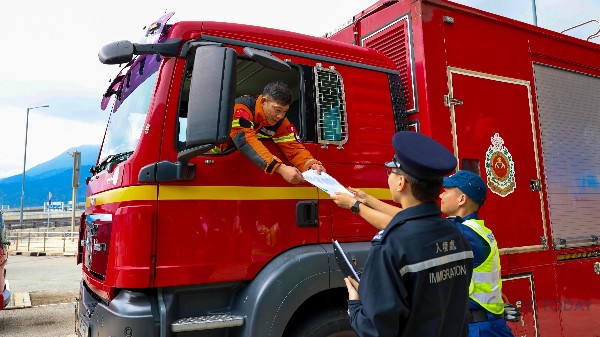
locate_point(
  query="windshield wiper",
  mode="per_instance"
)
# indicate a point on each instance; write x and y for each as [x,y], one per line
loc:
[113,159]
[98,168]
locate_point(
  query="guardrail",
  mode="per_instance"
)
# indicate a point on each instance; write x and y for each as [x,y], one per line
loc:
[47,242]
[33,215]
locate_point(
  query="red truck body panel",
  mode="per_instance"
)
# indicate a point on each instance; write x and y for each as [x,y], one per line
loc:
[490,72]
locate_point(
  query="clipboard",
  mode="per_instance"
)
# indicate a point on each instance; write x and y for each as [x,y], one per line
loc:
[345,264]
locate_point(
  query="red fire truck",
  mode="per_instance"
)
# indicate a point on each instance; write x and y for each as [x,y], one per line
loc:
[179,241]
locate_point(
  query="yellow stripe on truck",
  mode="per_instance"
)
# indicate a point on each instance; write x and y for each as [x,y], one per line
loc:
[235,193]
[148,193]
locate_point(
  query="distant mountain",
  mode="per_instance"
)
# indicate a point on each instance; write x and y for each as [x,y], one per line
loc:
[53,176]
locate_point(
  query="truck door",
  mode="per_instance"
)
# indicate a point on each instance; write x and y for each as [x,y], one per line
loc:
[230,218]
[493,125]
[492,120]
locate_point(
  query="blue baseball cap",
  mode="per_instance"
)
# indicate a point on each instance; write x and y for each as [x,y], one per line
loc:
[420,156]
[469,183]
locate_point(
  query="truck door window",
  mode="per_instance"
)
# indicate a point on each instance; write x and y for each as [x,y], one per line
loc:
[251,79]
[332,125]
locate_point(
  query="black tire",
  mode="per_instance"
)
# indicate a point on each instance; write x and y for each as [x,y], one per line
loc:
[330,322]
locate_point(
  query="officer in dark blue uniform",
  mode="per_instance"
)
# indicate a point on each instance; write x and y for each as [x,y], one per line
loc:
[416,279]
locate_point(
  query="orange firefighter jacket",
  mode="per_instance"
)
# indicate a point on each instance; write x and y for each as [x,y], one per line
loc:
[250,126]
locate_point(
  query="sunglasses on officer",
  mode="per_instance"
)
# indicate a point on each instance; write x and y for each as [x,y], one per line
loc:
[391,165]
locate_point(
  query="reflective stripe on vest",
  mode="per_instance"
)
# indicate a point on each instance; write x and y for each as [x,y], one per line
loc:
[486,284]
[236,123]
[283,139]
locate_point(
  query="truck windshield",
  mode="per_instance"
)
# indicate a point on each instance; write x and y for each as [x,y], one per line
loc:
[126,122]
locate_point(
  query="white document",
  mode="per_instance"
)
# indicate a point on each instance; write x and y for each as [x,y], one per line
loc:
[325,182]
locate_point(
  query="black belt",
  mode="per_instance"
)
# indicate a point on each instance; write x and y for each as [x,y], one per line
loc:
[481,315]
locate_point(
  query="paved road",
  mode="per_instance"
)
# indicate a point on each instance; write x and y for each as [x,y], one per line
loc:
[49,280]
[56,320]
[43,273]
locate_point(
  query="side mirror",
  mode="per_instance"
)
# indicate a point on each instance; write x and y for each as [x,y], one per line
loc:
[212,96]
[122,51]
[116,53]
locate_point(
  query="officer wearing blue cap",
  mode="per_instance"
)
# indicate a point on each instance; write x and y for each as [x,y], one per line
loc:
[463,195]
[416,278]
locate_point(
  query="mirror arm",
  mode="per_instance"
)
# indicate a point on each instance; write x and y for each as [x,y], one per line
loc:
[187,154]
[168,48]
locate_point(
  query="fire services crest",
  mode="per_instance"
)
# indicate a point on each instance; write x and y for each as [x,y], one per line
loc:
[500,168]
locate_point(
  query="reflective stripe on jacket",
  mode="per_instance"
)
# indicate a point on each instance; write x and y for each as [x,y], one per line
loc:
[486,283]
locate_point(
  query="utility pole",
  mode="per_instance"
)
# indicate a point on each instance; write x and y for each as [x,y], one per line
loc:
[75,184]
[534,9]
[25,161]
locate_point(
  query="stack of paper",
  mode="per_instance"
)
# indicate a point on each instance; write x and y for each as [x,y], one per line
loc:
[325,182]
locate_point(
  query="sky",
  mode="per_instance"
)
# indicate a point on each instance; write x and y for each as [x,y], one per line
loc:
[49,55]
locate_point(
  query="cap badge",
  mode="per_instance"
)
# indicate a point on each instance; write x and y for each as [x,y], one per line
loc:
[500,168]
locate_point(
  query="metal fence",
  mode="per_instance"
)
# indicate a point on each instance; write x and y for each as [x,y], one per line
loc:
[48,242]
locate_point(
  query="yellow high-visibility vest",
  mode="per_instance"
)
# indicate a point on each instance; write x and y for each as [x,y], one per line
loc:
[486,283]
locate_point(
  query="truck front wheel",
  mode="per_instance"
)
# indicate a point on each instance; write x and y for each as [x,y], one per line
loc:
[332,322]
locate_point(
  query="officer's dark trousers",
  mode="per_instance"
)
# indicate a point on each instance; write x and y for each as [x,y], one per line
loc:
[490,328]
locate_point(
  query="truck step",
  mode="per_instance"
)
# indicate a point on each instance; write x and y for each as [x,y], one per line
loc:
[207,322]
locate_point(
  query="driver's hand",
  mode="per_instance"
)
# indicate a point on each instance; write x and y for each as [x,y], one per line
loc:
[318,167]
[291,174]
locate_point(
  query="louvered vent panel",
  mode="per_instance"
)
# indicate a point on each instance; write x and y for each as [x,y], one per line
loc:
[393,42]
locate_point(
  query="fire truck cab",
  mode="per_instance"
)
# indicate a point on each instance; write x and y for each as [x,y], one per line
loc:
[177,240]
